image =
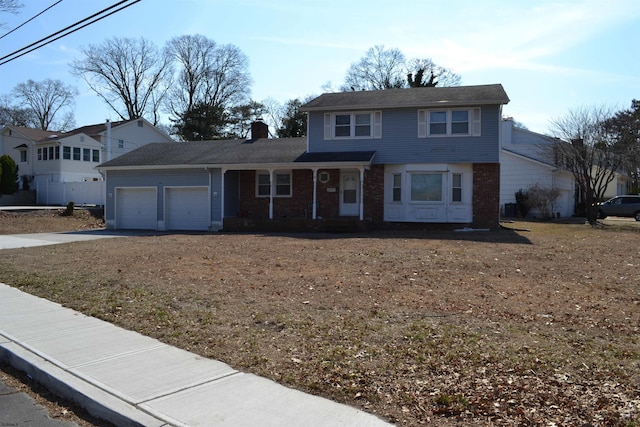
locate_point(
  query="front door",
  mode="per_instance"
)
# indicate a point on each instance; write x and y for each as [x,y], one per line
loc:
[350,194]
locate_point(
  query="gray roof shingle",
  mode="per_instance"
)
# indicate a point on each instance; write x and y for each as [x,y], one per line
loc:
[406,98]
[219,152]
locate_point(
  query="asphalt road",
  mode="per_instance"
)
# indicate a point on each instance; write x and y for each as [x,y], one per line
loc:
[18,409]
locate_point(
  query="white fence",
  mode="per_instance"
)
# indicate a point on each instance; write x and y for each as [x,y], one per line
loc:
[80,193]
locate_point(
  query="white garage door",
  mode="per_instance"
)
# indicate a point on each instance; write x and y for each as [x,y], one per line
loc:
[136,208]
[187,208]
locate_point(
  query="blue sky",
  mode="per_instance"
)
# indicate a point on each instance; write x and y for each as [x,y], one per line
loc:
[550,56]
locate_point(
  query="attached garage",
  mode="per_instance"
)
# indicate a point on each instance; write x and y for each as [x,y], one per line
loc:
[187,208]
[136,208]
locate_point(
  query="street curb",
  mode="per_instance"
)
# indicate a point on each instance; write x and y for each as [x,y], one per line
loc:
[62,383]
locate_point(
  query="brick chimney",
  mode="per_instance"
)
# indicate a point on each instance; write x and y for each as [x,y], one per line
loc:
[259,129]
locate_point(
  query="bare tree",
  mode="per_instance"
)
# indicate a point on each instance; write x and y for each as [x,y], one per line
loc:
[193,55]
[211,76]
[9,6]
[14,115]
[585,148]
[378,69]
[382,68]
[50,102]
[130,75]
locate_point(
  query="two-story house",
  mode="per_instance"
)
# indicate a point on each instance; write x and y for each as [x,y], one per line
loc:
[372,158]
[50,162]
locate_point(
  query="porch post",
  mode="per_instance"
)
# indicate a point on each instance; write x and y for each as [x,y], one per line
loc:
[361,173]
[222,172]
[315,185]
[271,190]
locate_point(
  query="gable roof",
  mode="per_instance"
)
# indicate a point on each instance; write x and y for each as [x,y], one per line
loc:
[412,97]
[30,133]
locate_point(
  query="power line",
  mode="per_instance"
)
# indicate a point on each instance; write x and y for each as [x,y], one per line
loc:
[29,20]
[44,41]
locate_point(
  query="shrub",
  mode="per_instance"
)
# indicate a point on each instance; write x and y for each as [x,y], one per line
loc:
[522,200]
[543,199]
[8,175]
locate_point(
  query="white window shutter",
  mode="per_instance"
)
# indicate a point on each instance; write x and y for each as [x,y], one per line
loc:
[327,126]
[377,124]
[476,122]
[422,123]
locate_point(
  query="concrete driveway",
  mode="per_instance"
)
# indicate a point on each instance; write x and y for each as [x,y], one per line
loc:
[13,241]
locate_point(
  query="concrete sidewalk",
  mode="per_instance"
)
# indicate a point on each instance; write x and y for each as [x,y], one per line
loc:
[131,379]
[14,241]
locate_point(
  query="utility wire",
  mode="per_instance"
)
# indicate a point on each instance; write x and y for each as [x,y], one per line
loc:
[44,41]
[29,20]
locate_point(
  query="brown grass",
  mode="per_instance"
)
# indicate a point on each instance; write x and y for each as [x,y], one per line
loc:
[498,328]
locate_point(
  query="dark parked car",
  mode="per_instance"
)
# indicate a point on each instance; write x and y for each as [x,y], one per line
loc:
[620,206]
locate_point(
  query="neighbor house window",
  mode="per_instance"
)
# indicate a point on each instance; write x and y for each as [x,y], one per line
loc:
[120,143]
[51,153]
[23,156]
[397,187]
[86,154]
[426,187]
[95,156]
[456,187]
[56,152]
[282,184]
[66,153]
[39,153]
[458,122]
[76,153]
[45,154]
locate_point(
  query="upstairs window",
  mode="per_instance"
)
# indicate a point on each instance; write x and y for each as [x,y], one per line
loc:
[352,125]
[361,125]
[454,122]
[66,153]
[95,156]
[76,153]
[23,156]
[86,154]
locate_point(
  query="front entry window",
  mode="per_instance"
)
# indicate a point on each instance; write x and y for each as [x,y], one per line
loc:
[350,192]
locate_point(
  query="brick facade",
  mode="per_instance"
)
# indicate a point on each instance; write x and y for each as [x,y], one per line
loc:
[486,191]
[486,195]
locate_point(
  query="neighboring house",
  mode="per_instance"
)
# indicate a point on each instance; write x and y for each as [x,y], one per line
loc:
[61,165]
[419,155]
[526,160]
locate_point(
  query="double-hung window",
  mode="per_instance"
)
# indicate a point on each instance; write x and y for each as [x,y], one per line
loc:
[449,122]
[397,188]
[76,153]
[66,152]
[281,184]
[354,125]
[360,125]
